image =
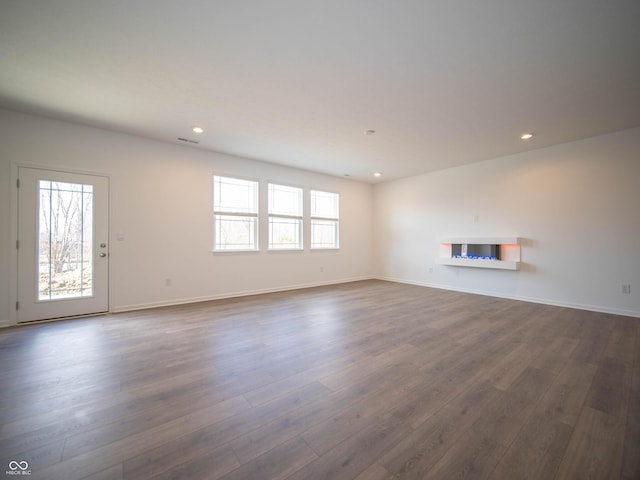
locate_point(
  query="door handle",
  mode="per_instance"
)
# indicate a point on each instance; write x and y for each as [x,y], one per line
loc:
[103,254]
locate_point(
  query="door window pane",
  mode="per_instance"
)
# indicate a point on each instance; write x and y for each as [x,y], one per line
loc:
[65,240]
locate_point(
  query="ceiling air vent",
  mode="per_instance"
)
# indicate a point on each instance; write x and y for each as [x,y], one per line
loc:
[188,141]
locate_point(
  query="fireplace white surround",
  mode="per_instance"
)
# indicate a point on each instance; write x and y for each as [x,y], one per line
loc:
[509,252]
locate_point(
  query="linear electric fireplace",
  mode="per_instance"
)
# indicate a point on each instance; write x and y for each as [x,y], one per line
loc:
[479,251]
[493,252]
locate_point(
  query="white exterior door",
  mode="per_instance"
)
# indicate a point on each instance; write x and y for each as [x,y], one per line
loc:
[63,251]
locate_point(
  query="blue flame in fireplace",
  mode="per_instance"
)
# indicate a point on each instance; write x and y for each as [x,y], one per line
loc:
[477,257]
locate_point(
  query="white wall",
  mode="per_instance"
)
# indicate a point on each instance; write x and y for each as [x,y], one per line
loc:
[576,205]
[161,200]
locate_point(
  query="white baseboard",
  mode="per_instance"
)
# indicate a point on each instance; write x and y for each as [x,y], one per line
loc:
[183,301]
[246,293]
[543,301]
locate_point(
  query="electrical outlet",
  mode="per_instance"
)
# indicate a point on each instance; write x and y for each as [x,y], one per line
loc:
[626,289]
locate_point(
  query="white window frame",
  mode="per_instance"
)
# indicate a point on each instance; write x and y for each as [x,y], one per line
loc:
[331,219]
[293,218]
[230,214]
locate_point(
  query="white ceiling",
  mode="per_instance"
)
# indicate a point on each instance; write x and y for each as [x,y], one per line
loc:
[295,82]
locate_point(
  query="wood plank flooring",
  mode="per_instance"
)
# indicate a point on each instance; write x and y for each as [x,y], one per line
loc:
[367,380]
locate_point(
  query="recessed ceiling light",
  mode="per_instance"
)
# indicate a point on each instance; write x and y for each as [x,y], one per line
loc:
[526,136]
[377,174]
[369,132]
[197,129]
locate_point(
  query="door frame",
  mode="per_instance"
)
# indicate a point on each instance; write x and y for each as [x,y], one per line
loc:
[13,287]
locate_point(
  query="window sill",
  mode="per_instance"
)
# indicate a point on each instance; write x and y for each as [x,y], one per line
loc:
[226,252]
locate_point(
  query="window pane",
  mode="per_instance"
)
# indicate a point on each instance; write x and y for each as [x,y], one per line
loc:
[324,234]
[324,204]
[235,195]
[285,200]
[65,232]
[285,233]
[234,232]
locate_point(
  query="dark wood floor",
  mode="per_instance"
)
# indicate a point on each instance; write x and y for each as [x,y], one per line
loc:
[367,380]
